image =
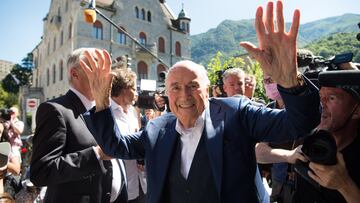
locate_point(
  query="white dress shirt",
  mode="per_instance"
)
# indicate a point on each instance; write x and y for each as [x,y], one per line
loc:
[128,123]
[189,141]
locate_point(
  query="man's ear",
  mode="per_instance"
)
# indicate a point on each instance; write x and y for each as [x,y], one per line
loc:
[356,114]
[74,73]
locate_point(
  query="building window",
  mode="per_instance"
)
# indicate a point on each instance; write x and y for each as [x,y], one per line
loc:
[61,70]
[61,38]
[187,27]
[137,12]
[54,44]
[142,14]
[66,5]
[97,32]
[177,49]
[48,49]
[149,16]
[121,37]
[161,45]
[142,37]
[54,74]
[70,30]
[142,70]
[183,26]
[160,68]
[47,77]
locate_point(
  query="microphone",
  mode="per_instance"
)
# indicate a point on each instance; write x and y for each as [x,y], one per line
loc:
[90,13]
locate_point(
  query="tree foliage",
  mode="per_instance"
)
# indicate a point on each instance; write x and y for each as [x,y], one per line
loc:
[336,44]
[7,100]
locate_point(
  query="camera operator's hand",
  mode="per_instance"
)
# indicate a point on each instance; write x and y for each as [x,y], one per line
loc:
[99,74]
[335,177]
[160,102]
[277,49]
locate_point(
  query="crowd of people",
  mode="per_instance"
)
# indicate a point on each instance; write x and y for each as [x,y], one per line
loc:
[93,145]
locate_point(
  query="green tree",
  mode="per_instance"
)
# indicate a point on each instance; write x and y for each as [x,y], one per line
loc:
[17,77]
[7,99]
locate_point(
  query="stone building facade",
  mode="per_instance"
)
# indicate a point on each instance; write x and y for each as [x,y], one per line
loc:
[5,68]
[151,22]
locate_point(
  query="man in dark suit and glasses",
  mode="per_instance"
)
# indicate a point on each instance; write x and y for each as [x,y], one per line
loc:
[204,150]
[66,157]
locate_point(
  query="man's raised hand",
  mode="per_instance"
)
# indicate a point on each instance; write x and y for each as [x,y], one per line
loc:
[277,48]
[98,71]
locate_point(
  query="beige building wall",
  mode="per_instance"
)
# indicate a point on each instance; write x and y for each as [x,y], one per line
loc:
[5,68]
[65,30]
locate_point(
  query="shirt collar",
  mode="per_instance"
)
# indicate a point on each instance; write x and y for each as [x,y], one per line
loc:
[198,127]
[87,103]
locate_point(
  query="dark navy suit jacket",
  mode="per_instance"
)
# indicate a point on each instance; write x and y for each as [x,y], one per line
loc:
[232,126]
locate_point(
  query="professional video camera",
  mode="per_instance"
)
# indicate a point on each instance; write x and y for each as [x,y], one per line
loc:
[5,114]
[317,64]
[147,91]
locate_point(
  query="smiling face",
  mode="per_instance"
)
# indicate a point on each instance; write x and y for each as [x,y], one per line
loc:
[337,106]
[187,88]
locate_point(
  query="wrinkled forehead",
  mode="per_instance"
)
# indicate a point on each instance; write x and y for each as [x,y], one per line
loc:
[186,72]
[327,91]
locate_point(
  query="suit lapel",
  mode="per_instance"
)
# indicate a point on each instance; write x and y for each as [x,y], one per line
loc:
[214,127]
[166,142]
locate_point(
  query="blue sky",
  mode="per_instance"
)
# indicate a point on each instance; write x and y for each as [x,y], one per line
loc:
[22,27]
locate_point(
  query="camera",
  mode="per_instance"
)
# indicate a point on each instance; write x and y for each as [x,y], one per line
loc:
[5,114]
[319,147]
[317,64]
[146,95]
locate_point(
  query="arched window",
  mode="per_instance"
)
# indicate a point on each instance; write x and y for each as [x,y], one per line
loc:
[188,27]
[47,77]
[121,37]
[160,68]
[70,30]
[149,16]
[142,70]
[142,37]
[61,70]
[137,12]
[97,31]
[48,49]
[182,27]
[161,45]
[142,14]
[177,49]
[54,73]
[61,38]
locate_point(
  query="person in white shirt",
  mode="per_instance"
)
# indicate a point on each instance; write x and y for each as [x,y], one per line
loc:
[123,97]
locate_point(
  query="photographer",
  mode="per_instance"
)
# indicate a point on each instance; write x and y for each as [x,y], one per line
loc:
[340,100]
[14,127]
[9,185]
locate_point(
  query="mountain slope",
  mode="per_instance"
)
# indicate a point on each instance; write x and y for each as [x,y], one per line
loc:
[227,35]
